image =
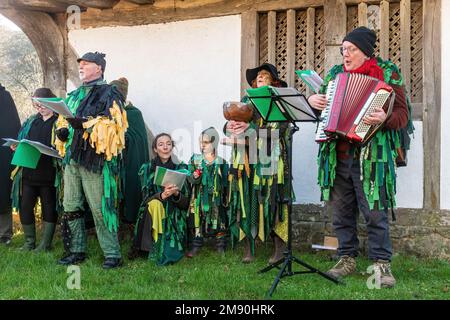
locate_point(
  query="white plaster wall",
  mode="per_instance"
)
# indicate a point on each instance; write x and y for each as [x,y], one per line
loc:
[410,178]
[445,108]
[180,73]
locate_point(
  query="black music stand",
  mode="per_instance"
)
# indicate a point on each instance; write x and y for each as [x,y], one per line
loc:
[295,108]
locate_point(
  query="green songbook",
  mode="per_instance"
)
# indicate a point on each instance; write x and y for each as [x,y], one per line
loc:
[28,152]
[26,156]
[165,177]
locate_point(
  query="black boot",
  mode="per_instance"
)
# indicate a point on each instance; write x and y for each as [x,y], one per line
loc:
[197,243]
[221,245]
[72,258]
[47,237]
[29,231]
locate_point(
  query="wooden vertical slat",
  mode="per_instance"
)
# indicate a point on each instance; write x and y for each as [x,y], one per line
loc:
[335,15]
[272,36]
[405,42]
[249,45]
[290,48]
[362,14]
[432,103]
[310,30]
[384,30]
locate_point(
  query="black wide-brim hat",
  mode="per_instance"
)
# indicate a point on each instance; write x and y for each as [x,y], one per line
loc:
[251,74]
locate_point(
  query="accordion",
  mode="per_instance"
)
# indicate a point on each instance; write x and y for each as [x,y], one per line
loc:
[351,97]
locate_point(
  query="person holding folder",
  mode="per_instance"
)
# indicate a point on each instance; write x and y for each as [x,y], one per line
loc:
[161,227]
[257,186]
[91,141]
[30,184]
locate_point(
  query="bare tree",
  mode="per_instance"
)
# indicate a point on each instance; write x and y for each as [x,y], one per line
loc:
[20,69]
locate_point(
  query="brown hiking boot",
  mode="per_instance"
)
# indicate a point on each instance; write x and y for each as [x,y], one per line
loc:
[278,250]
[345,266]
[383,273]
[248,257]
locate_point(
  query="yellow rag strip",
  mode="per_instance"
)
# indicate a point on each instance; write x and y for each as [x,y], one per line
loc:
[241,234]
[281,227]
[14,172]
[107,135]
[60,145]
[158,213]
[261,233]
[241,194]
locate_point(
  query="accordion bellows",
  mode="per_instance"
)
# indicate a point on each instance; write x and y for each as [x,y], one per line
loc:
[237,111]
[351,97]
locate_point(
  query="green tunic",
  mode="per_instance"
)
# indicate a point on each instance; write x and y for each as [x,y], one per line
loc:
[378,158]
[209,195]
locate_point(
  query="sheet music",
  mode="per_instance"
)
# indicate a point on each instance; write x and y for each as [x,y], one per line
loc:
[10,142]
[56,105]
[169,177]
[311,78]
[296,106]
[42,148]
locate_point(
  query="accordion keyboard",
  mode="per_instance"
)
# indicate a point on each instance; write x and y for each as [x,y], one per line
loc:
[320,133]
[377,102]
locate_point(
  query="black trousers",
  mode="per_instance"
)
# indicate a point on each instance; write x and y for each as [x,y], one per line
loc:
[29,199]
[348,200]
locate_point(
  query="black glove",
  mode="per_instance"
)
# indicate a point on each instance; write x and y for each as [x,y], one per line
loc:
[62,134]
[76,123]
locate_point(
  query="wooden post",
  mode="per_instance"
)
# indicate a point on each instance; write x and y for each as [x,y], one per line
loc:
[432,103]
[290,48]
[384,30]
[310,30]
[362,14]
[249,45]
[405,42]
[335,14]
[271,37]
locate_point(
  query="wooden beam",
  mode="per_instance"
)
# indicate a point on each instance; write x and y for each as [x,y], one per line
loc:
[335,15]
[142,1]
[97,4]
[290,48]
[271,37]
[310,31]
[362,15]
[405,42]
[432,103]
[384,30]
[249,45]
[163,11]
[281,5]
[34,5]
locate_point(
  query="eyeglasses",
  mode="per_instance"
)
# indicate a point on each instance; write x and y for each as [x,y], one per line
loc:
[38,105]
[350,50]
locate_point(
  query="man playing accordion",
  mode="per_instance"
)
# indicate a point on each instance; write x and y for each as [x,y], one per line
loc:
[362,179]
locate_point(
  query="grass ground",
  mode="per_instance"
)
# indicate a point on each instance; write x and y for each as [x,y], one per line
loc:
[25,275]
